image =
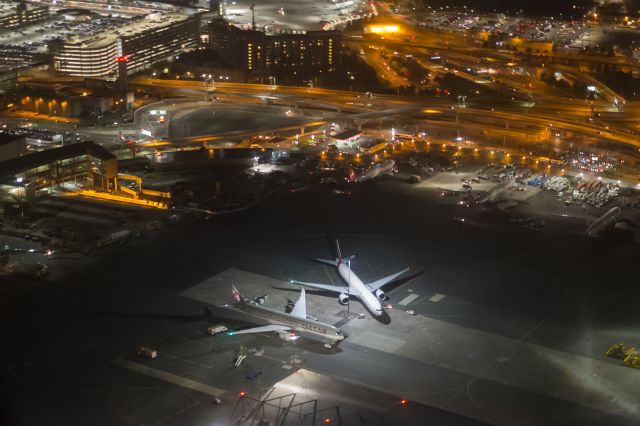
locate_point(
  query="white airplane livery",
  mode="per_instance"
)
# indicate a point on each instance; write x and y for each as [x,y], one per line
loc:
[603,222]
[388,166]
[371,295]
[288,326]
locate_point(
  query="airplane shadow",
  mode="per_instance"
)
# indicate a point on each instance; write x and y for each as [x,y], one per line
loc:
[401,281]
[384,318]
[209,314]
[231,319]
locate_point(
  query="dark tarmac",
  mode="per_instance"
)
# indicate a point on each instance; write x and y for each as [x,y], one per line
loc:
[518,337]
[220,118]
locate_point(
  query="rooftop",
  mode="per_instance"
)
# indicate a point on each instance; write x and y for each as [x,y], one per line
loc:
[10,7]
[17,165]
[104,35]
[347,134]
[6,138]
[95,30]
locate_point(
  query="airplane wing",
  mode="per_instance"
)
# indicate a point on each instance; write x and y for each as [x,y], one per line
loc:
[262,329]
[382,281]
[300,308]
[326,287]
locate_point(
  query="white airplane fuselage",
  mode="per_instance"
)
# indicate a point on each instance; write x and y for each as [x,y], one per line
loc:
[358,289]
[603,222]
[303,326]
[378,169]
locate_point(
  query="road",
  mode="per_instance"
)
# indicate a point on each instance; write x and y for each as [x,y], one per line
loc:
[512,121]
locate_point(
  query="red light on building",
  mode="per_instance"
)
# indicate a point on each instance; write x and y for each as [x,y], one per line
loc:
[123,58]
[243,393]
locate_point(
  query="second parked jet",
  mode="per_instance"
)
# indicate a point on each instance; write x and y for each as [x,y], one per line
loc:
[370,294]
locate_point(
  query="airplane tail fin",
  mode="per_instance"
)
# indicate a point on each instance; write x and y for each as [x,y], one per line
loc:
[300,308]
[237,297]
[338,260]
[351,175]
[341,259]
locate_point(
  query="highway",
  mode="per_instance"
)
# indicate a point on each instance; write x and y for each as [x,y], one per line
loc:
[560,114]
[508,122]
[455,47]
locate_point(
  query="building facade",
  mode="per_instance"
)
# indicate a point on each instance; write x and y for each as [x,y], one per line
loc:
[300,54]
[18,14]
[26,177]
[218,7]
[140,44]
[12,146]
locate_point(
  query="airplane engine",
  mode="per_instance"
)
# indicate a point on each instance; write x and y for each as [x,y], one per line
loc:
[287,336]
[380,295]
[343,298]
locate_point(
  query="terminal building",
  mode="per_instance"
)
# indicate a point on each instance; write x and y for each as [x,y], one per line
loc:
[300,54]
[138,44]
[12,146]
[17,14]
[25,178]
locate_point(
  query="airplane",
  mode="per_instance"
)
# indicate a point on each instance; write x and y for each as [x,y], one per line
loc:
[453,192]
[370,294]
[495,194]
[388,166]
[288,326]
[603,222]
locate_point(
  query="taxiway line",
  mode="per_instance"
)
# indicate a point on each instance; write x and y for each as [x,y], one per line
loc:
[168,377]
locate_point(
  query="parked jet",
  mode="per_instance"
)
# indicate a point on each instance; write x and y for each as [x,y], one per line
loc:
[496,193]
[388,166]
[370,294]
[605,221]
[288,326]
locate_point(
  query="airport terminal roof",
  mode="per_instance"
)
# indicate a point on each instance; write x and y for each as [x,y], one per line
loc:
[134,26]
[347,134]
[17,165]
[6,138]
[10,7]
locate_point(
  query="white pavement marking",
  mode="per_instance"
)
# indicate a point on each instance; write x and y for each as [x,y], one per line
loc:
[182,410]
[328,274]
[168,377]
[437,297]
[585,381]
[370,268]
[410,298]
[378,341]
[188,361]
